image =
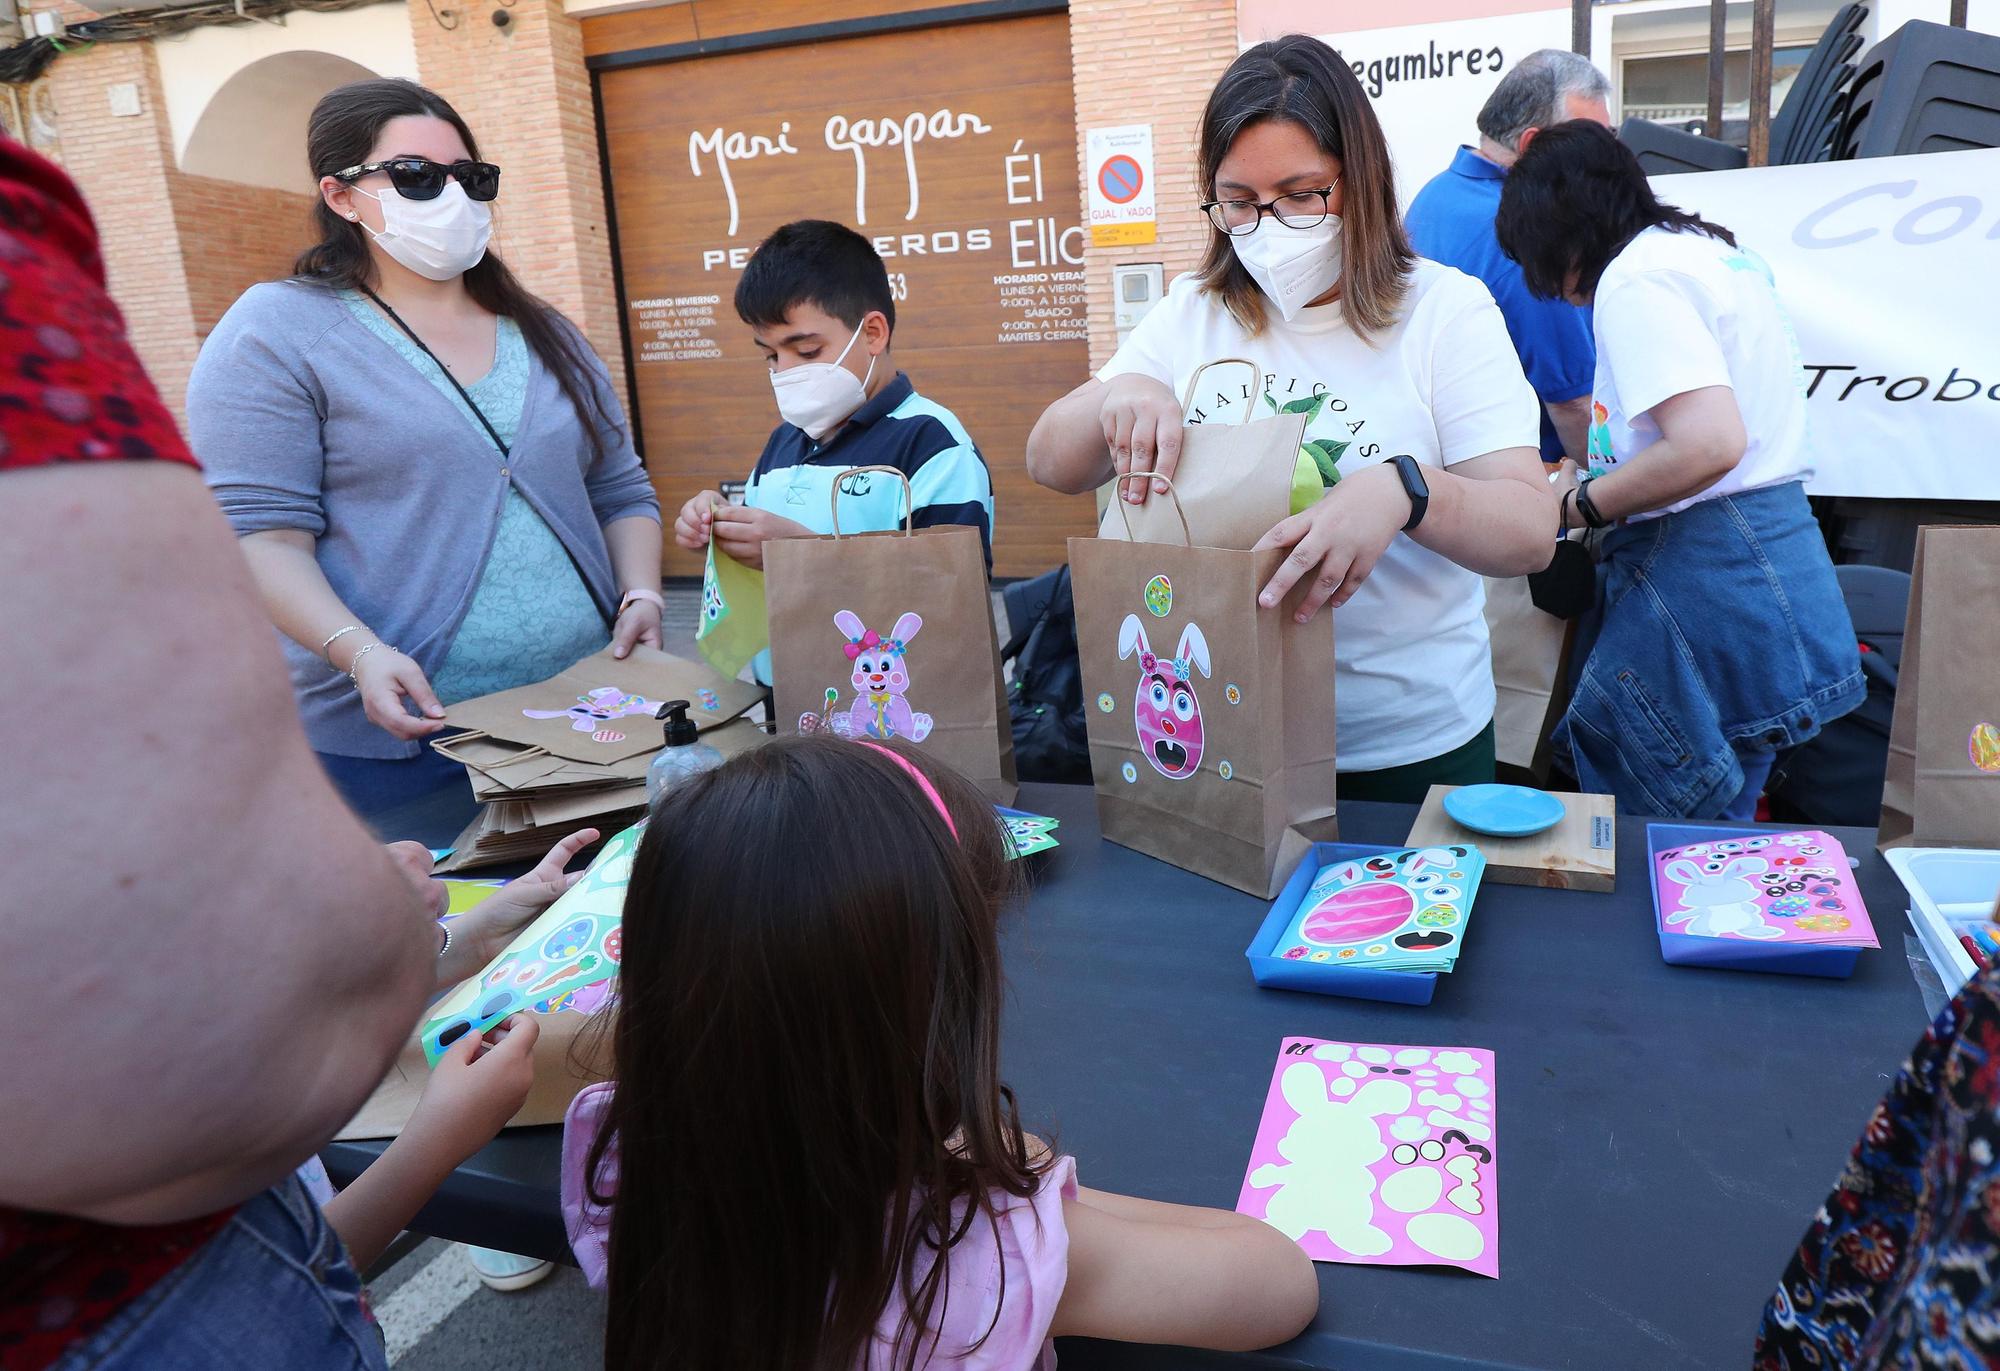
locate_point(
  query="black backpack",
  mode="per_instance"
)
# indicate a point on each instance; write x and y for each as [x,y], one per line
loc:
[1046,696]
[1835,780]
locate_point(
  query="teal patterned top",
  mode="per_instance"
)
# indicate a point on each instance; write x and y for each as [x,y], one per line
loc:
[531,614]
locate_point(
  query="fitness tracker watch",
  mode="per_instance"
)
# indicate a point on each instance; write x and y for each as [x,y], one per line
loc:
[1415,487]
[1587,507]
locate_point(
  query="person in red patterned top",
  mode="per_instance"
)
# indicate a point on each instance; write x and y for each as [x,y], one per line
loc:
[208,963]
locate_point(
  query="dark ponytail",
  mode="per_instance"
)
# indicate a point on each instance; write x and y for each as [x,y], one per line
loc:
[343,130]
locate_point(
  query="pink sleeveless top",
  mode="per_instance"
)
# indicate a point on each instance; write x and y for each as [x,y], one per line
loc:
[1031,1248]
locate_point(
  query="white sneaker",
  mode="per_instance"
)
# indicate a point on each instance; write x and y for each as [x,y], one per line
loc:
[505,1270]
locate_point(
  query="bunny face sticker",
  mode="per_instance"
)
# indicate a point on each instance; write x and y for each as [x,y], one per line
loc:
[880,676]
[1719,898]
[1166,709]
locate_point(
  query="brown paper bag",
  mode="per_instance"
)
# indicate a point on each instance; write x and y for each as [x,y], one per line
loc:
[891,635]
[1942,786]
[498,772]
[1210,719]
[1235,480]
[573,1051]
[1529,647]
[601,709]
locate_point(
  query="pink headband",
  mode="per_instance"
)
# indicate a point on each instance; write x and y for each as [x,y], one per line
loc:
[923,782]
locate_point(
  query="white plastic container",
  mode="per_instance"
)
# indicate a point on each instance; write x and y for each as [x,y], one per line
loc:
[1951,889]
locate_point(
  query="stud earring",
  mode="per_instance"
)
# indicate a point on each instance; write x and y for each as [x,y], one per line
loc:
[353,216]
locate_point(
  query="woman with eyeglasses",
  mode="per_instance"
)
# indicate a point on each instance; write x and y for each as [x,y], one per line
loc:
[1422,428]
[426,465]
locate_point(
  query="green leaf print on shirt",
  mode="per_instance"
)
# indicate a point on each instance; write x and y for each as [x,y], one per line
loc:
[1318,469]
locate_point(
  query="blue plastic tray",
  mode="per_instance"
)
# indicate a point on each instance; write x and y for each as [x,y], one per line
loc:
[1734,954]
[1323,978]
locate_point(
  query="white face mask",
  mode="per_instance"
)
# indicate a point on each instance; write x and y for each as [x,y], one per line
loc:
[1292,266]
[439,238]
[819,396]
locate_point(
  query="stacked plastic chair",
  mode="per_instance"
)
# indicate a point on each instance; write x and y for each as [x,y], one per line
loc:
[1805,128]
[1924,88]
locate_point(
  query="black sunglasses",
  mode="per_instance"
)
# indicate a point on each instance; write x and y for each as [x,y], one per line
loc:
[419,178]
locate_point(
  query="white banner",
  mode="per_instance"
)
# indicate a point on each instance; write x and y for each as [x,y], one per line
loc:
[1890,268]
[1427,65]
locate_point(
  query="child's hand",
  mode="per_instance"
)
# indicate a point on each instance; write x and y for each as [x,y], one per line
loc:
[742,532]
[483,932]
[691,528]
[477,1086]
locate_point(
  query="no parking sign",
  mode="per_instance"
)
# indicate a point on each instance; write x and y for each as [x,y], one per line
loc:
[1120,166]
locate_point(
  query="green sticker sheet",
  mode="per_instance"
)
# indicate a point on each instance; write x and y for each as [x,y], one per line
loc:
[734,626]
[575,942]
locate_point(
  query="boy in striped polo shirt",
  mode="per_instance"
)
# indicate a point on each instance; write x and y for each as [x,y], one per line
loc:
[816,297]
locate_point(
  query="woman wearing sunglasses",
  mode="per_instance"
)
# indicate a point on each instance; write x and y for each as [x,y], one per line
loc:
[1421,461]
[427,466]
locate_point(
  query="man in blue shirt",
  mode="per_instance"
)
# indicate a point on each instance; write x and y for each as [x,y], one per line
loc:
[1451,221]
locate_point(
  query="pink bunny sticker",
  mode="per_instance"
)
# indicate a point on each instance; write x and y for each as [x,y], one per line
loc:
[1166,710]
[591,712]
[881,681]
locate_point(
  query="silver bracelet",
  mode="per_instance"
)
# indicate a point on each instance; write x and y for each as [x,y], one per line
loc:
[334,638]
[445,929]
[355,665]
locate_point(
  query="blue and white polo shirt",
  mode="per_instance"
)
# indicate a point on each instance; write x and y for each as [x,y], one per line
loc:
[949,483]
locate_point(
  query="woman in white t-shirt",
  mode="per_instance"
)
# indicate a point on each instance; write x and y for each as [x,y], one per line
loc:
[1725,637]
[1417,407]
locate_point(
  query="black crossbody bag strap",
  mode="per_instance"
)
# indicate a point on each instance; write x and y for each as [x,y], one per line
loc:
[470,404]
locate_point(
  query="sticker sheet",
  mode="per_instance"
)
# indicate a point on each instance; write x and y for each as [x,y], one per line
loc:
[465,894]
[1028,834]
[461,895]
[571,947]
[1380,1155]
[1399,911]
[734,625]
[1793,888]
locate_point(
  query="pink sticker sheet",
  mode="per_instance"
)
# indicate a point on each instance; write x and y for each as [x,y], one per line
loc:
[1380,1155]
[1795,888]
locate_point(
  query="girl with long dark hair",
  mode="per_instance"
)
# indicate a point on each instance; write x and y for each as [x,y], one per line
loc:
[1420,469]
[426,464]
[808,1161]
[1725,637]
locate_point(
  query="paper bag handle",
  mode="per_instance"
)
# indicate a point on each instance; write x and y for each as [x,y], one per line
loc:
[909,512]
[443,747]
[1194,382]
[1166,481]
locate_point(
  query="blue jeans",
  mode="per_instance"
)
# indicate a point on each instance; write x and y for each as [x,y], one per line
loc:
[1725,639]
[273,1291]
[373,784]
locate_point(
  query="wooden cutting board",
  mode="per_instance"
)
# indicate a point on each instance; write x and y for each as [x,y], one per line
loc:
[1580,853]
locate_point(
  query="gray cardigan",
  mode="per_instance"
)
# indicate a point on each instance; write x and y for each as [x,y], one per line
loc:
[304,419]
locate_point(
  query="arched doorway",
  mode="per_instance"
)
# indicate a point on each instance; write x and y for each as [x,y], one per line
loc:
[253,130]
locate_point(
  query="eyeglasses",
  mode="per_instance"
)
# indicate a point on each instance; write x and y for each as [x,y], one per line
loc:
[419,178]
[1302,209]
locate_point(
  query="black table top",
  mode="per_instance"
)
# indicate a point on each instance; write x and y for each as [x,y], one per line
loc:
[1664,1133]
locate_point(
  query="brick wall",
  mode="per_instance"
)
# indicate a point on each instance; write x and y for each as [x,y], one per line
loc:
[1182,47]
[233,236]
[124,166]
[526,94]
